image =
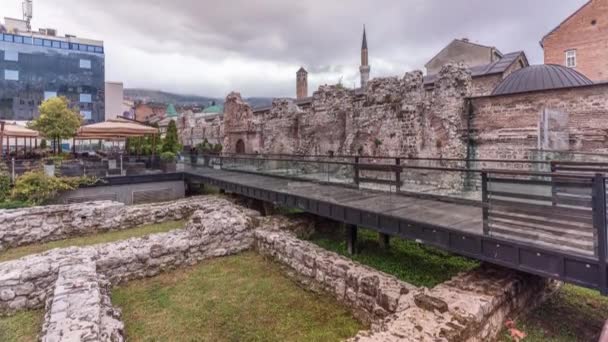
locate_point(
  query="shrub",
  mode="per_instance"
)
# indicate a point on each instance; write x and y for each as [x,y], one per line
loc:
[171,141]
[167,156]
[43,144]
[35,187]
[5,181]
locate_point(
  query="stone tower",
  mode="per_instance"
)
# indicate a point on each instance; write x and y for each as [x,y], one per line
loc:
[301,84]
[364,68]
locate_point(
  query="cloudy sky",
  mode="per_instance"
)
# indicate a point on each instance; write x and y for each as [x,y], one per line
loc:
[210,47]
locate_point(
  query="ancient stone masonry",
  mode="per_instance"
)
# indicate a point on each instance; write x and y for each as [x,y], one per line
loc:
[193,129]
[371,295]
[392,116]
[20,227]
[80,308]
[470,307]
[218,228]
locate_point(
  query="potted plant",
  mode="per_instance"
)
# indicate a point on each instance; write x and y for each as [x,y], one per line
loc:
[49,167]
[168,162]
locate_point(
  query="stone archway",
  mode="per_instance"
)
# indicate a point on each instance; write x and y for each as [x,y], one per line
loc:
[240,147]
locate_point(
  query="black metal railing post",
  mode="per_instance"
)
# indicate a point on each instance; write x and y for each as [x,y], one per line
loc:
[599,224]
[485,203]
[356,171]
[398,174]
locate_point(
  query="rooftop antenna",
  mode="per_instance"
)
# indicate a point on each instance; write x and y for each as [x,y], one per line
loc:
[28,13]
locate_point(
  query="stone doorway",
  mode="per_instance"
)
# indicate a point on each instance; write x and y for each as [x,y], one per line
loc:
[240,147]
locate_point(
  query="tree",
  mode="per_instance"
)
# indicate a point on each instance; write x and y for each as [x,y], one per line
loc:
[171,144]
[57,120]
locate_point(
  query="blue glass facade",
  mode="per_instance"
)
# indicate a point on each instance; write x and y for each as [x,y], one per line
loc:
[32,68]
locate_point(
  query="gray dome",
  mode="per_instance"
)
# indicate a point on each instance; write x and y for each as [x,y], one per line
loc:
[541,77]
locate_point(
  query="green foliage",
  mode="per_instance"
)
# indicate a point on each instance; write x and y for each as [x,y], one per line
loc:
[426,266]
[43,144]
[207,148]
[5,181]
[377,142]
[36,187]
[10,204]
[167,156]
[171,142]
[57,120]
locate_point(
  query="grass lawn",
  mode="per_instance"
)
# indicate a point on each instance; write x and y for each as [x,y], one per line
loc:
[18,252]
[238,298]
[411,262]
[573,314]
[22,327]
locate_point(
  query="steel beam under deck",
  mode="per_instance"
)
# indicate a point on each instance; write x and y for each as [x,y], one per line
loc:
[579,270]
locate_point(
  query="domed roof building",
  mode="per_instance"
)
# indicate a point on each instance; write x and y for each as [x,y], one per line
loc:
[540,77]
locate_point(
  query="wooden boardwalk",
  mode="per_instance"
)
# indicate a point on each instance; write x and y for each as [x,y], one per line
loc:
[442,214]
[456,227]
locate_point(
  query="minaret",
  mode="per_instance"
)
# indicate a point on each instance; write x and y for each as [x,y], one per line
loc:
[364,68]
[301,84]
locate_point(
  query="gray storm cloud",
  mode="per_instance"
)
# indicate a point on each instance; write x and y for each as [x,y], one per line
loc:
[212,47]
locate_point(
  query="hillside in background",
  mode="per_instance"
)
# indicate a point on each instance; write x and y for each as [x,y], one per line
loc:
[147,95]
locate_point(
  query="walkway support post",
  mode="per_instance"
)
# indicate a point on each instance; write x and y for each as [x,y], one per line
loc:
[398,174]
[351,238]
[384,240]
[599,224]
[485,203]
[357,171]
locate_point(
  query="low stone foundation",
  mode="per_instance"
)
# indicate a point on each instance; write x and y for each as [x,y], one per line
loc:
[219,228]
[370,294]
[19,227]
[470,307]
[74,282]
[80,308]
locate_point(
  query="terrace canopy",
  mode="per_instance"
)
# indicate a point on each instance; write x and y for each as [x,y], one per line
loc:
[16,132]
[115,128]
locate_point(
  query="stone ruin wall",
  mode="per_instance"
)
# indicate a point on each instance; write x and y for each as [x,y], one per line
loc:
[508,127]
[74,283]
[19,227]
[394,116]
[193,129]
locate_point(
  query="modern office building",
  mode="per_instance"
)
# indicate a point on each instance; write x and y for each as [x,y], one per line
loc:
[35,66]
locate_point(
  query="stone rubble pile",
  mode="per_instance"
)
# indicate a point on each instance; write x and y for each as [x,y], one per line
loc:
[19,227]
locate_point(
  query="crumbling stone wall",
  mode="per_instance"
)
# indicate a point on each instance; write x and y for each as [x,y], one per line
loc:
[80,308]
[193,129]
[392,116]
[217,228]
[26,226]
[507,127]
[472,306]
[370,294]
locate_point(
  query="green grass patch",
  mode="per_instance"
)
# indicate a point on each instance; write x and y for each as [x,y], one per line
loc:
[409,261]
[238,298]
[573,314]
[21,327]
[18,252]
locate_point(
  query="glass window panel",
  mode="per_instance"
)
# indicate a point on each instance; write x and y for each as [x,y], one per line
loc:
[11,56]
[38,41]
[83,47]
[11,75]
[28,40]
[8,37]
[49,94]
[56,44]
[65,45]
[87,114]
[85,98]
[19,39]
[85,64]
[47,43]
